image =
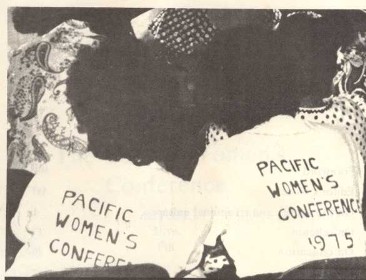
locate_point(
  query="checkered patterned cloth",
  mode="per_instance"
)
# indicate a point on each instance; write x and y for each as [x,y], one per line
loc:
[182,30]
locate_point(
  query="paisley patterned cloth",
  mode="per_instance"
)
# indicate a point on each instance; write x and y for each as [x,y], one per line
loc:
[42,124]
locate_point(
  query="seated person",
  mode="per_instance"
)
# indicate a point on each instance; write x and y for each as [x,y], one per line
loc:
[349,89]
[183,43]
[344,104]
[115,205]
[285,191]
[42,126]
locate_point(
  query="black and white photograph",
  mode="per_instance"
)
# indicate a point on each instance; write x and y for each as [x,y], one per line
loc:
[181,142]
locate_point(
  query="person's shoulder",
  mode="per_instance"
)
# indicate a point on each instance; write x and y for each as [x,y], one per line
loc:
[230,145]
[328,129]
[166,176]
[61,166]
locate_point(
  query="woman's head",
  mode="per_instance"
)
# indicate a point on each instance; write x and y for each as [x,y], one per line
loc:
[241,75]
[254,74]
[124,100]
[307,48]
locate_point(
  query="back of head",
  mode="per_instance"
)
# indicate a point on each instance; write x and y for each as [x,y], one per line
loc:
[125,101]
[307,48]
[263,73]
[243,62]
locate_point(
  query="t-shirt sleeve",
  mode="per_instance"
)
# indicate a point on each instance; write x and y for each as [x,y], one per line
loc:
[190,221]
[206,175]
[362,176]
[208,178]
[359,165]
[24,222]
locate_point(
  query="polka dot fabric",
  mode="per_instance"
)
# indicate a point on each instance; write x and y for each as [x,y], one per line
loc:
[342,112]
[214,264]
[182,30]
[359,97]
[215,133]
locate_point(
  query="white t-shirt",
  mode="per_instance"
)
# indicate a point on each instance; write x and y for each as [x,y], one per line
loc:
[285,192]
[86,212]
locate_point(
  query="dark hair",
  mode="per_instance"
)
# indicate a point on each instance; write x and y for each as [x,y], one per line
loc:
[240,66]
[104,21]
[255,74]
[307,48]
[125,101]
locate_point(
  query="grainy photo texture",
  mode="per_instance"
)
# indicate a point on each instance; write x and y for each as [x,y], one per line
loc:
[208,143]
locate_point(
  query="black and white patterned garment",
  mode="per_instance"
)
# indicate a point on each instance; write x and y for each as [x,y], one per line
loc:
[182,30]
[346,109]
[342,112]
[215,133]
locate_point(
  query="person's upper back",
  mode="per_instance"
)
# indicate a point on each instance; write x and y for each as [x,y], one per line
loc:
[286,192]
[88,212]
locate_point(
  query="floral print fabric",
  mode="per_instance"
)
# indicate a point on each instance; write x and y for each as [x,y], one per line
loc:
[41,123]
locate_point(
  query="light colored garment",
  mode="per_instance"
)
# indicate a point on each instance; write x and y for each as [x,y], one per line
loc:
[86,212]
[283,196]
[42,124]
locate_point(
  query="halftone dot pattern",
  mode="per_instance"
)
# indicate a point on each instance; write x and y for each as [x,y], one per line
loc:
[215,133]
[213,264]
[358,96]
[182,30]
[342,112]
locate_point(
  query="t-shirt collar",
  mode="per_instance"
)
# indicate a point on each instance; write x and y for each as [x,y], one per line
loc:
[282,125]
